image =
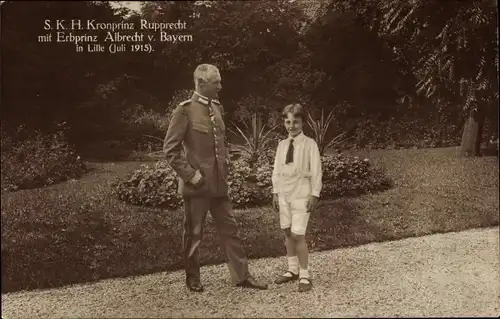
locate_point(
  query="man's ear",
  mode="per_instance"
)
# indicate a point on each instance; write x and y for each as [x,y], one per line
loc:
[200,81]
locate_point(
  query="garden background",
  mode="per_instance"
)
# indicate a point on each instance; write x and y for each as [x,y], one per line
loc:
[402,99]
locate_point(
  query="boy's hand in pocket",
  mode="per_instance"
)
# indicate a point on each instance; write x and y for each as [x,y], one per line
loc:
[312,203]
[276,204]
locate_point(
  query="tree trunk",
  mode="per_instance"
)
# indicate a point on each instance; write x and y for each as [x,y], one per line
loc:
[472,133]
[479,136]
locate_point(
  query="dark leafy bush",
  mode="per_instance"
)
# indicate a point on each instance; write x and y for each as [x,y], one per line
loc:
[157,186]
[145,129]
[150,186]
[140,130]
[252,186]
[346,176]
[401,132]
[239,189]
[342,175]
[38,161]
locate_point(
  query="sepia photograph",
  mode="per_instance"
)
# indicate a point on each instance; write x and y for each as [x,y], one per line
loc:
[249,159]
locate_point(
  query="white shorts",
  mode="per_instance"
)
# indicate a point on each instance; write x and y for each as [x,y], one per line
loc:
[294,215]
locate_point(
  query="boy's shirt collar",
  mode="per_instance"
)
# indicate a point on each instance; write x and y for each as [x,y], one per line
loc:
[296,138]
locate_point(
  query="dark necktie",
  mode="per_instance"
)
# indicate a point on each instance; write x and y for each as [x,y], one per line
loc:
[289,153]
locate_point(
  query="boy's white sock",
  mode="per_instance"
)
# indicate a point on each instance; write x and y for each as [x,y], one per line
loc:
[293,265]
[304,273]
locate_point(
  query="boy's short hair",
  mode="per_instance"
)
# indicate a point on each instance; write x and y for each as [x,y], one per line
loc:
[296,109]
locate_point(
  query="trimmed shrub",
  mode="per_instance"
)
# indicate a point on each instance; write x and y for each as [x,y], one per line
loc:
[343,175]
[150,186]
[250,187]
[38,161]
[240,190]
[350,176]
[157,186]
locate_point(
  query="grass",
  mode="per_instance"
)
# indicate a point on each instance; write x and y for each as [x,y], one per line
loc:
[76,232]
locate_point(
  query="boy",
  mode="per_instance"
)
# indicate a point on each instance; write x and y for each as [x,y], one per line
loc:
[296,187]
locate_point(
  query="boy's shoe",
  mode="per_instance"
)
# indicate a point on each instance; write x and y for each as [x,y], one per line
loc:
[284,279]
[303,287]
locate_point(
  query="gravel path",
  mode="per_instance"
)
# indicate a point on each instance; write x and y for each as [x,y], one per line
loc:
[454,274]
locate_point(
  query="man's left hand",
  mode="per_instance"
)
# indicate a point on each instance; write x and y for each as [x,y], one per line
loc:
[312,203]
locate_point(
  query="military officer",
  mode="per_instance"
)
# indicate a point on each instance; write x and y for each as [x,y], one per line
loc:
[195,148]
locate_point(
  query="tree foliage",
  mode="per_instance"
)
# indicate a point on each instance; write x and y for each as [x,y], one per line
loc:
[243,38]
[450,46]
[46,80]
[354,59]
[378,59]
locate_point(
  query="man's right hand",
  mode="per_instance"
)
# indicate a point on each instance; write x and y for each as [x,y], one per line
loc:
[276,204]
[196,180]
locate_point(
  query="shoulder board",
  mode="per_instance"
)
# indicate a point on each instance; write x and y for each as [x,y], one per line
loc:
[216,101]
[184,102]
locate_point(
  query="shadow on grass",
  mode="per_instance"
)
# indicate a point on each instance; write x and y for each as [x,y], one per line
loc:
[489,152]
[134,241]
[42,182]
[338,224]
[65,234]
[96,242]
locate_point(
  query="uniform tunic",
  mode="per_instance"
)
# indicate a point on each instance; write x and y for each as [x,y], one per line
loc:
[195,140]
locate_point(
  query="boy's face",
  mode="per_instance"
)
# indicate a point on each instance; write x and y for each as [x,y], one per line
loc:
[293,124]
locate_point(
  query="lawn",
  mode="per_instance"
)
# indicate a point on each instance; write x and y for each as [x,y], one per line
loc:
[76,232]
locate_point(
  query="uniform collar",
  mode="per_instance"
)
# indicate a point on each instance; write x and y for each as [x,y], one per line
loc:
[200,98]
[203,99]
[296,138]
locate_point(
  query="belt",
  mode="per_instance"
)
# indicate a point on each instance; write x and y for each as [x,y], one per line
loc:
[299,175]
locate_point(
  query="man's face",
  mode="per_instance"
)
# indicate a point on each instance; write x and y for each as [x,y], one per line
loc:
[211,87]
[293,124]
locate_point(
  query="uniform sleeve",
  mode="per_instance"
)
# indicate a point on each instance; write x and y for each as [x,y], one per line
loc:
[316,170]
[275,176]
[172,145]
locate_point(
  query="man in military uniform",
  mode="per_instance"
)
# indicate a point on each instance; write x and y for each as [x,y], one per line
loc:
[195,148]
